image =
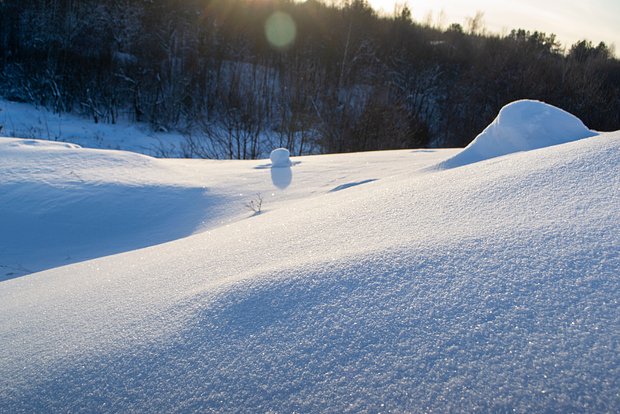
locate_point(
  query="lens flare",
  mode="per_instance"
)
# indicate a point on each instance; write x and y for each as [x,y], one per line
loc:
[281,30]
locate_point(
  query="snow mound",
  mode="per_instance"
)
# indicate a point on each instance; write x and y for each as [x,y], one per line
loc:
[61,204]
[280,158]
[521,126]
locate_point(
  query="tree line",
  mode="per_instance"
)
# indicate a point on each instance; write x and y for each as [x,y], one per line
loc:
[351,80]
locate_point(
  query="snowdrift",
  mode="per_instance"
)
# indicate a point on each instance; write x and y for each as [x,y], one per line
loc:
[61,204]
[521,126]
[492,287]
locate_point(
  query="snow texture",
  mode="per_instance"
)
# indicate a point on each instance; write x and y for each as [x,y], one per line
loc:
[61,204]
[493,287]
[280,158]
[522,126]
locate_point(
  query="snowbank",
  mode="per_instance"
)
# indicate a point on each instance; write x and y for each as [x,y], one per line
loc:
[521,126]
[493,287]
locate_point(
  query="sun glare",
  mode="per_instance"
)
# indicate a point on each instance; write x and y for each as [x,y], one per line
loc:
[281,30]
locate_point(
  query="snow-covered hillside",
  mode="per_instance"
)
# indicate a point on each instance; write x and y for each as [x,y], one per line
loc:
[21,120]
[378,282]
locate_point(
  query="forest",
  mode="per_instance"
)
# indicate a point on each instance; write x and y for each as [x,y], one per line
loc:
[236,76]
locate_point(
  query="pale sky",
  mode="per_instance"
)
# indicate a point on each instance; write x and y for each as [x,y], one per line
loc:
[570,20]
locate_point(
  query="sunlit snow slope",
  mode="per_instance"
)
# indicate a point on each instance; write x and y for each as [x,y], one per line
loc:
[491,287]
[61,204]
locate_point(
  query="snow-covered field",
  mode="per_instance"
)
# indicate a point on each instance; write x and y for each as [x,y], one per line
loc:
[398,281]
[22,120]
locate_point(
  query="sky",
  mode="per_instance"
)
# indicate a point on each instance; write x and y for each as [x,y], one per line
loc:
[570,20]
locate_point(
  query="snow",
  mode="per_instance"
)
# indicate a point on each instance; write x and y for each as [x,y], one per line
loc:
[522,126]
[371,282]
[20,120]
[61,204]
[280,158]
